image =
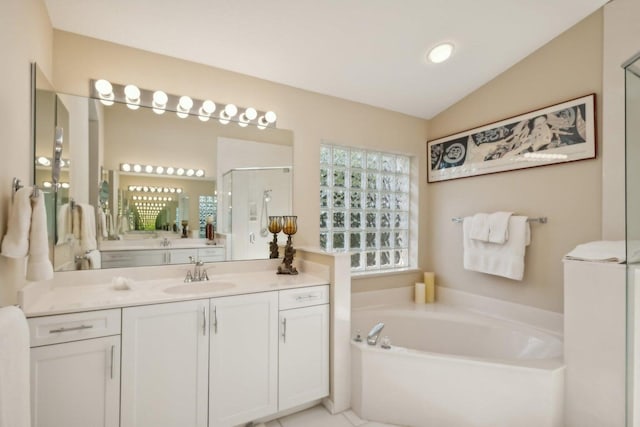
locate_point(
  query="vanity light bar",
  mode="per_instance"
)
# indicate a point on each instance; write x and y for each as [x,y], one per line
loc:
[184,106]
[161,170]
[150,189]
[153,198]
[48,161]
[49,184]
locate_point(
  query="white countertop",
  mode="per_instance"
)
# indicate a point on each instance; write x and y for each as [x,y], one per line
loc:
[76,298]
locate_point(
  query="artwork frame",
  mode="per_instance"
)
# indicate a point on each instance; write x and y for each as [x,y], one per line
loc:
[560,133]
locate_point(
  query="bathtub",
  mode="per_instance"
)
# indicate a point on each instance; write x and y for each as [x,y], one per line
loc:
[452,367]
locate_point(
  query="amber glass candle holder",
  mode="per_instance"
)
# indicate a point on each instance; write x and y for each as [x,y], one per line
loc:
[289,227]
[275,226]
[185,224]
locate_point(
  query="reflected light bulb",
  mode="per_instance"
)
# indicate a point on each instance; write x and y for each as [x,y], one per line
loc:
[126,167]
[170,170]
[185,103]
[148,169]
[137,168]
[190,172]
[180,171]
[231,110]
[200,173]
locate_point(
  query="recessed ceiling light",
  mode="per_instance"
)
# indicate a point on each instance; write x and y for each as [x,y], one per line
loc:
[440,53]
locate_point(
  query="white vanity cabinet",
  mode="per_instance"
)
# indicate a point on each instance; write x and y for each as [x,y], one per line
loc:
[75,369]
[165,355]
[243,373]
[303,370]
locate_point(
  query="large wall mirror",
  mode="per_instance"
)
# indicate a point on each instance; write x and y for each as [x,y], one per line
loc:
[137,188]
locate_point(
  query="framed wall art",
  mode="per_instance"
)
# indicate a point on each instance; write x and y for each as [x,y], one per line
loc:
[560,133]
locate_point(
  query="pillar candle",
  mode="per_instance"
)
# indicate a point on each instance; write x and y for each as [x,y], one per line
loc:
[430,286]
[419,296]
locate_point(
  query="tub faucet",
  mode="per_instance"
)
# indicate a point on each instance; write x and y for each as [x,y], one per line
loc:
[374,333]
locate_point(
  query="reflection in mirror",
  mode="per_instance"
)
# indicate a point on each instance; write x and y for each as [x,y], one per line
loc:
[138,188]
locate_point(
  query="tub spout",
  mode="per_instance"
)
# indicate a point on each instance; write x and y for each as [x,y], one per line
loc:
[374,333]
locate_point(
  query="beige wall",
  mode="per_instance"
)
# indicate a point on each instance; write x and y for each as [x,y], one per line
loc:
[569,195]
[25,36]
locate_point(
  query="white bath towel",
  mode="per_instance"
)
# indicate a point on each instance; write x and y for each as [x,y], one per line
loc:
[14,368]
[39,266]
[16,242]
[499,227]
[87,221]
[505,260]
[604,251]
[480,227]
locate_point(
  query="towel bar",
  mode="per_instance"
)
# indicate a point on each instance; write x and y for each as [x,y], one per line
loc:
[541,219]
[16,184]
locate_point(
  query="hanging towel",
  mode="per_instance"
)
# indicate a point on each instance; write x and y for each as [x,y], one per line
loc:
[505,260]
[14,368]
[64,224]
[39,266]
[104,231]
[16,242]
[480,227]
[87,227]
[499,227]
[94,260]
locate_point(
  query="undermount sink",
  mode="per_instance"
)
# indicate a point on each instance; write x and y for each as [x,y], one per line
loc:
[199,287]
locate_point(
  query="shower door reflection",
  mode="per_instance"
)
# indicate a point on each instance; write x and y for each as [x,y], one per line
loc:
[250,196]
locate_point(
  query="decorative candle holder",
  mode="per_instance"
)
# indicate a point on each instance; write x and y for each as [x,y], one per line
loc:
[185,224]
[289,227]
[275,226]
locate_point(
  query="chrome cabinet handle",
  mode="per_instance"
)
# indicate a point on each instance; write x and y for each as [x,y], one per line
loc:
[113,348]
[215,320]
[75,328]
[307,297]
[204,322]
[284,330]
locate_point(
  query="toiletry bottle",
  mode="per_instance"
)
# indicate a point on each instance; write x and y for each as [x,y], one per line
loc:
[209,232]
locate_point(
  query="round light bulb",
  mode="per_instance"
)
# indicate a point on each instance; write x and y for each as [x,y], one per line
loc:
[172,190]
[65,185]
[251,113]
[203,118]
[178,190]
[103,87]
[190,172]
[148,169]
[440,53]
[132,187]
[182,115]
[159,170]
[231,110]
[139,188]
[160,99]
[200,173]
[208,107]
[126,167]
[180,172]
[44,161]
[270,117]
[137,168]
[185,103]
[170,170]
[132,93]
[47,184]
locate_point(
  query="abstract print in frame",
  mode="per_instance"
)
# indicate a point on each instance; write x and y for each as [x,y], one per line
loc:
[560,133]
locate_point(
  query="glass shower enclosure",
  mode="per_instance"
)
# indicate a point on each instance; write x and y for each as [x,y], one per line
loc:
[249,197]
[632,154]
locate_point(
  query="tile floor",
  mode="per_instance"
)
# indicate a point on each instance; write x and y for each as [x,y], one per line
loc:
[318,416]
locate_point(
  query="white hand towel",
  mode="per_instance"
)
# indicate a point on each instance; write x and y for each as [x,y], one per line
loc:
[87,227]
[499,227]
[94,259]
[505,260]
[103,224]
[14,368]
[16,242]
[39,266]
[480,227]
[64,224]
[603,251]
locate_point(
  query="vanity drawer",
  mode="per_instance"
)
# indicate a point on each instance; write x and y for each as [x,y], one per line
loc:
[211,254]
[73,327]
[304,297]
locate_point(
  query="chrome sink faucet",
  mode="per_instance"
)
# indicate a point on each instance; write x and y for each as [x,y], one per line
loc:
[199,274]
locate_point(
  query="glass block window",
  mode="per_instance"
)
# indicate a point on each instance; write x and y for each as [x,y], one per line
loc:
[364,206]
[208,207]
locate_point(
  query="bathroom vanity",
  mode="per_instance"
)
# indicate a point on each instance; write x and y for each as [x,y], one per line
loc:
[220,353]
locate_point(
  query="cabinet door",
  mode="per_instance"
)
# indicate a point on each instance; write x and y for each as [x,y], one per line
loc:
[76,384]
[120,259]
[244,352]
[165,349]
[304,355]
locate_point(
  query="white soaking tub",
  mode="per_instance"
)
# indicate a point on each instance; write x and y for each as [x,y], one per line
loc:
[451,367]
